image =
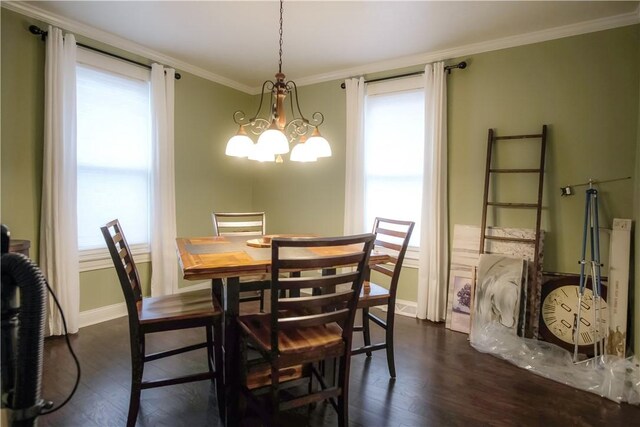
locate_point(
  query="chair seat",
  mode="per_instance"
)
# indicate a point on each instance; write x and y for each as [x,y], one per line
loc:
[299,340]
[377,295]
[187,305]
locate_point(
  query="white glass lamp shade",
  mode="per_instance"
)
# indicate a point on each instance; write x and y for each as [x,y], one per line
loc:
[274,140]
[318,145]
[261,154]
[302,153]
[239,145]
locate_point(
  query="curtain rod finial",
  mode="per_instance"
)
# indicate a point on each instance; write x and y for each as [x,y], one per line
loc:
[34,29]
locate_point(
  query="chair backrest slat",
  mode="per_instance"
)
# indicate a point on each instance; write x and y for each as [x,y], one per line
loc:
[322,260]
[317,281]
[301,303]
[239,223]
[395,233]
[124,264]
[389,245]
[384,270]
[338,316]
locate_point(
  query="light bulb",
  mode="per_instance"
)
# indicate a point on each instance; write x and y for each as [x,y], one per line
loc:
[318,145]
[274,140]
[239,145]
[302,153]
[259,153]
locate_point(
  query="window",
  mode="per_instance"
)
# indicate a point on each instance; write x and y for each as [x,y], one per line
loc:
[394,147]
[114,151]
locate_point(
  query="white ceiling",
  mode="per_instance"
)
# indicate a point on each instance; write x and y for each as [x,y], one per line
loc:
[238,40]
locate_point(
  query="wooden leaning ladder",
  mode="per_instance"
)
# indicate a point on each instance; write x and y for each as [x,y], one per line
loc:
[489,172]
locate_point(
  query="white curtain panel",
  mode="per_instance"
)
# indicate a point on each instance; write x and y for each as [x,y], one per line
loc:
[434,251]
[58,222]
[354,176]
[164,267]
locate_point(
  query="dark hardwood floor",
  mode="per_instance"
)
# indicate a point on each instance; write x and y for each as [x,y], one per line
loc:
[442,381]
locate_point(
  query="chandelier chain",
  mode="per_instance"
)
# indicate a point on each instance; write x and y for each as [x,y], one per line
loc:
[280,52]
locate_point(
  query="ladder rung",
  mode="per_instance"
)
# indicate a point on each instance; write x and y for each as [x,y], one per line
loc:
[514,170]
[510,239]
[497,138]
[513,205]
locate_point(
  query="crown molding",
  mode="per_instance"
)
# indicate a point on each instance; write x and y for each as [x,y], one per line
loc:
[76,27]
[120,43]
[585,27]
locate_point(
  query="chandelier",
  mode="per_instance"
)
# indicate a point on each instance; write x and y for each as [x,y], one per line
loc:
[275,133]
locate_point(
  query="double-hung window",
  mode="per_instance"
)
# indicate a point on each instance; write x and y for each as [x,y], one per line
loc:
[114,154]
[393,153]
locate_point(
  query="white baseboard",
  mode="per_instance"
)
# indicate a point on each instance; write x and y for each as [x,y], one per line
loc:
[404,308]
[205,284]
[113,311]
[102,314]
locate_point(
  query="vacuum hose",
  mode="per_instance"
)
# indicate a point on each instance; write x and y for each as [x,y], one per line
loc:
[21,391]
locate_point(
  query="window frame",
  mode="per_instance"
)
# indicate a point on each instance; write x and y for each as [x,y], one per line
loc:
[100,258]
[412,256]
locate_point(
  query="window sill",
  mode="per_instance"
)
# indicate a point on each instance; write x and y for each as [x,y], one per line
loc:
[98,259]
[412,258]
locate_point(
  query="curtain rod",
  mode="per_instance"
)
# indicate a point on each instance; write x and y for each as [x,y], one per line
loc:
[462,65]
[34,29]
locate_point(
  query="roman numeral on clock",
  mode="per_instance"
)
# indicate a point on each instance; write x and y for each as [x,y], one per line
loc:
[586,336]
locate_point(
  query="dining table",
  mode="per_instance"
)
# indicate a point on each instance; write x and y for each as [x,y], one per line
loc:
[224,260]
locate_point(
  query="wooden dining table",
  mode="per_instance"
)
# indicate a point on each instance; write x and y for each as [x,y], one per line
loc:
[230,258]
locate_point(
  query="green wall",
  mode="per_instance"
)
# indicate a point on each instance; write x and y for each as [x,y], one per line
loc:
[22,107]
[584,87]
[205,178]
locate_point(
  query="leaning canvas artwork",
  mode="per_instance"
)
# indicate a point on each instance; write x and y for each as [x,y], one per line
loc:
[498,293]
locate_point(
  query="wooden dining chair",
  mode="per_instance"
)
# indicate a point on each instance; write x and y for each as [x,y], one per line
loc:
[392,237]
[301,330]
[244,224]
[164,313]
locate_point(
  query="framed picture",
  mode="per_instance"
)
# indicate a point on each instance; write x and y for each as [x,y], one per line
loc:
[461,303]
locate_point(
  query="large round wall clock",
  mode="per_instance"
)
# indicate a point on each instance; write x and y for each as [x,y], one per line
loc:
[559,312]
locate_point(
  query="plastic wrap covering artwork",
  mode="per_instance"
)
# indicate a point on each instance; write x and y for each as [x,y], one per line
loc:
[609,376]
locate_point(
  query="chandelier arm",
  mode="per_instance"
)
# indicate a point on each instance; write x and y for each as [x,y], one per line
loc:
[258,125]
[315,120]
[296,128]
[264,85]
[291,84]
[240,118]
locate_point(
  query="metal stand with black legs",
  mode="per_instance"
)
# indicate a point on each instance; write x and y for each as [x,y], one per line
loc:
[590,233]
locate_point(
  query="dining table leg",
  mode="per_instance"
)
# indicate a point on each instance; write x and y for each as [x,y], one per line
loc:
[231,297]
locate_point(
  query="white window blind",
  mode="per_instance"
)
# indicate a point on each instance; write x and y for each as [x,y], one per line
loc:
[114,149]
[394,143]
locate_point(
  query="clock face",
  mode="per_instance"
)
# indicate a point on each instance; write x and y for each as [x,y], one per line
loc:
[560,315]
